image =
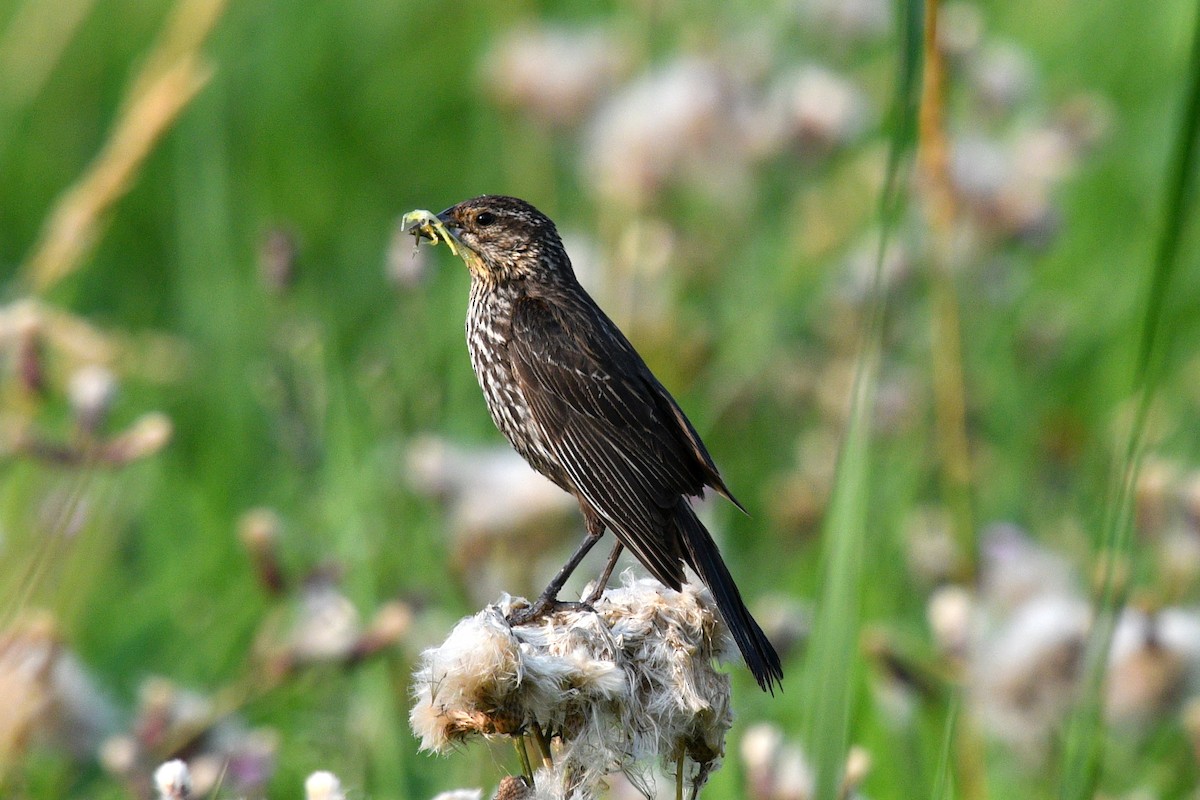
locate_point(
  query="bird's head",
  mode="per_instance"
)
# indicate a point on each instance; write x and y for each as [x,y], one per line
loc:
[504,239]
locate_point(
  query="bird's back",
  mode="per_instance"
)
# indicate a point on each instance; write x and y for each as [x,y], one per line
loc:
[588,383]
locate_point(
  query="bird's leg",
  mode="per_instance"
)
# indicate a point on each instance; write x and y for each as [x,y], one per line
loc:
[549,598]
[604,576]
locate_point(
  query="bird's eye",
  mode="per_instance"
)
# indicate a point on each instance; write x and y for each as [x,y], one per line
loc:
[485,218]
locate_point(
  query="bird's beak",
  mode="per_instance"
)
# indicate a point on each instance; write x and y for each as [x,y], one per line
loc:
[449,225]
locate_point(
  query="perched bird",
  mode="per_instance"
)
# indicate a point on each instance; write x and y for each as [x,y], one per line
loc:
[574,398]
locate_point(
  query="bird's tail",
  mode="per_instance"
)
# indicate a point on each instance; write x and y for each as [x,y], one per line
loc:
[703,556]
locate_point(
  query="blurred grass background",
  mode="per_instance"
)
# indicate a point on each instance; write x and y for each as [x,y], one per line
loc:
[327,121]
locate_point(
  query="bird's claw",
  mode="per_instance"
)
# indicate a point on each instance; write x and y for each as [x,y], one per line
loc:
[544,606]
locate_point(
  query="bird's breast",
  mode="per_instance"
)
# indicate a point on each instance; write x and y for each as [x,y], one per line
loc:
[489,328]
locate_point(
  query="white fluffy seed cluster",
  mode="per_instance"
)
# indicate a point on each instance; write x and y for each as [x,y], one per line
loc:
[323,785]
[173,781]
[614,689]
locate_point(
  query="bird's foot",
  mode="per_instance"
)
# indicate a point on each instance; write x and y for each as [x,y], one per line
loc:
[593,597]
[544,606]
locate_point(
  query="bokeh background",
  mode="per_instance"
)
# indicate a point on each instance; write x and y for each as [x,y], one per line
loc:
[246,473]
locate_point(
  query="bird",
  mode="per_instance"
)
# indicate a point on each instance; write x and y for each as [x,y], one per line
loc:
[576,400]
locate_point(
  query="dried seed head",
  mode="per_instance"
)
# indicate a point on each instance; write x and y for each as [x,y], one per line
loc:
[554,75]
[389,625]
[1154,657]
[960,30]
[30,364]
[49,695]
[1025,672]
[950,613]
[119,754]
[327,625]
[1015,569]
[1189,497]
[91,391]
[776,769]
[173,781]
[513,787]
[819,110]
[323,786]
[1003,77]
[849,20]
[148,434]
[631,682]
[1191,723]
[1155,495]
[462,794]
[260,530]
[858,764]
[679,122]
[931,550]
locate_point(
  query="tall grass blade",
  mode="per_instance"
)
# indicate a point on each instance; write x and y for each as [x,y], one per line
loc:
[831,666]
[943,787]
[1085,735]
[831,673]
[173,75]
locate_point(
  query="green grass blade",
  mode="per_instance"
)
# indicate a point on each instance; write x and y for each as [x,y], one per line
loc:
[1085,735]
[831,667]
[943,788]
[831,672]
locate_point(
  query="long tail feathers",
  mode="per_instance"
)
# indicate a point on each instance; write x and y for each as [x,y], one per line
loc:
[705,559]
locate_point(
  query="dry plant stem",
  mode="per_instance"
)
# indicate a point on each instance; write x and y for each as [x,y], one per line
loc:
[940,206]
[173,75]
[49,552]
[539,737]
[256,684]
[30,48]
[941,211]
[523,755]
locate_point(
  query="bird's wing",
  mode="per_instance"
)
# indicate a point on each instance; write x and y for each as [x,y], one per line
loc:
[598,409]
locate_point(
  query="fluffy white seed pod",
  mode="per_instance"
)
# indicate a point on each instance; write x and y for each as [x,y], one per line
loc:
[631,682]
[327,625]
[461,794]
[91,391]
[819,110]
[173,781]
[678,122]
[323,785]
[554,75]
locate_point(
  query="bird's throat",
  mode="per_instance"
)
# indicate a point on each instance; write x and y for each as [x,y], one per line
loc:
[476,267]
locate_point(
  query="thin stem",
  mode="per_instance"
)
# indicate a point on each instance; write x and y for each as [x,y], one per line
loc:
[539,737]
[941,212]
[679,775]
[523,755]
[940,205]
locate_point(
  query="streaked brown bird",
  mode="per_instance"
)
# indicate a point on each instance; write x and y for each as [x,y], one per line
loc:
[581,406]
